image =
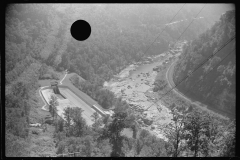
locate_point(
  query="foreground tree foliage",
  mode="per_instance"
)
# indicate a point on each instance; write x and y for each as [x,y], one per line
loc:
[113,133]
[197,130]
[15,146]
[97,122]
[197,134]
[145,145]
[75,123]
[229,142]
[175,133]
[76,136]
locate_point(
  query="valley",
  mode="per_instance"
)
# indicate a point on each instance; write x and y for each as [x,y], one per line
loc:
[135,83]
[120,83]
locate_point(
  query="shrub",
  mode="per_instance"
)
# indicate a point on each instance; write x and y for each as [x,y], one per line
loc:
[48,117]
[49,121]
[55,76]
[46,76]
[147,121]
[61,69]
[152,127]
[45,155]
[35,132]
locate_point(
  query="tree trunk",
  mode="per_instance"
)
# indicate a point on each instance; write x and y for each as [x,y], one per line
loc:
[177,141]
[196,147]
[53,114]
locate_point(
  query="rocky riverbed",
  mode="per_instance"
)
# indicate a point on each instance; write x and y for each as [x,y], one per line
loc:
[135,85]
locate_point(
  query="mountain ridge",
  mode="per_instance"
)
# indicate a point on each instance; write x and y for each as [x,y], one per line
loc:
[217,89]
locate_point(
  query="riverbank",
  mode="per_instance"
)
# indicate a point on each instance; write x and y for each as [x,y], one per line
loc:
[135,85]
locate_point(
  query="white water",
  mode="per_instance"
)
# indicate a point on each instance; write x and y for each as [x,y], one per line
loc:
[133,83]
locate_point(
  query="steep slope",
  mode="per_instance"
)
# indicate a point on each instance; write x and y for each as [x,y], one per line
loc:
[214,86]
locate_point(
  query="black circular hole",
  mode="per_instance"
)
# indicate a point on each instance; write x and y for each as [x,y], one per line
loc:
[80,30]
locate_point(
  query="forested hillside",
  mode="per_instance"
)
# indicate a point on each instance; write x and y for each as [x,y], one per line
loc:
[120,35]
[38,46]
[214,86]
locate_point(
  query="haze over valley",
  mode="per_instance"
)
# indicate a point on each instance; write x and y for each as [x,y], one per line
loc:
[135,87]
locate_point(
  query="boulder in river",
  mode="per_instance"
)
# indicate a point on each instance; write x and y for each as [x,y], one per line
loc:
[147,121]
[153,127]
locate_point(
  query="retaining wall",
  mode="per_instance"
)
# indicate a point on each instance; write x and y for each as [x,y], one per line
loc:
[63,86]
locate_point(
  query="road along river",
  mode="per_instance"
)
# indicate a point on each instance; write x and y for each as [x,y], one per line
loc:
[171,83]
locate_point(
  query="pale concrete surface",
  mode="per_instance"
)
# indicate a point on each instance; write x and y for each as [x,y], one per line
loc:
[76,101]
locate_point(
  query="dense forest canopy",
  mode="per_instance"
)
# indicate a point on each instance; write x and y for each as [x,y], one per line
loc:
[38,45]
[120,34]
[221,95]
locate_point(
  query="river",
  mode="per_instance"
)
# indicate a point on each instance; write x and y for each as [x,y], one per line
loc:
[135,85]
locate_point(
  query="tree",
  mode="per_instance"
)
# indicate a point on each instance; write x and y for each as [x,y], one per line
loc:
[57,61]
[53,106]
[20,89]
[89,146]
[175,133]
[212,137]
[106,119]
[79,122]
[196,128]
[97,121]
[140,141]
[130,122]
[54,112]
[158,149]
[59,126]
[16,146]
[43,70]
[120,105]
[67,114]
[16,123]
[138,146]
[95,116]
[105,98]
[70,145]
[102,149]
[75,80]
[113,133]
[148,145]
[229,145]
